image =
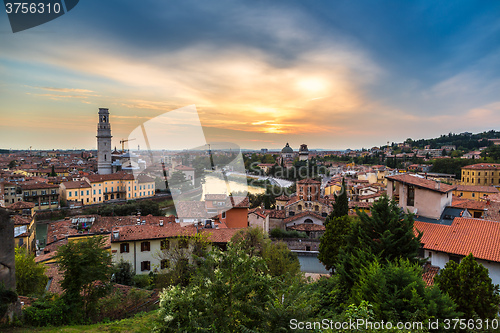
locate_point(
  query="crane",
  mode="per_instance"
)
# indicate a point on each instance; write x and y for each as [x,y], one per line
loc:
[122,141]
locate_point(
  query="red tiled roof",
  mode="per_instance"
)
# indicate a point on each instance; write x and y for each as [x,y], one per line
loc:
[220,235]
[140,232]
[464,236]
[276,214]
[468,204]
[36,186]
[21,205]
[259,212]
[283,198]
[429,273]
[18,220]
[113,176]
[306,213]
[184,167]
[354,204]
[73,185]
[483,166]
[475,188]
[422,183]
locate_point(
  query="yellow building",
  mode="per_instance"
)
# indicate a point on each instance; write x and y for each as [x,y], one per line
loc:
[76,191]
[485,174]
[333,188]
[24,225]
[474,192]
[114,186]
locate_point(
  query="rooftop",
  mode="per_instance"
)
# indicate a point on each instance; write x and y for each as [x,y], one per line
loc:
[463,236]
[427,184]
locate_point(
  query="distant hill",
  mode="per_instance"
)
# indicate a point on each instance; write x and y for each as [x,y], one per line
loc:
[463,141]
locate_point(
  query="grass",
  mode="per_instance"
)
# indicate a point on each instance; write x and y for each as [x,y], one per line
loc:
[141,322]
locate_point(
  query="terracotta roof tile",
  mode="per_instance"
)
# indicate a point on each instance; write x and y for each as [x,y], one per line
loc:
[463,236]
[21,205]
[73,185]
[306,213]
[422,183]
[142,232]
[475,188]
[483,166]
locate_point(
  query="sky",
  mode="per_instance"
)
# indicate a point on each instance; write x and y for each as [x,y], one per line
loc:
[260,73]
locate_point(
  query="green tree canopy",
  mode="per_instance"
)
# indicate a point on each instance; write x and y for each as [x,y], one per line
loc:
[470,286]
[388,233]
[83,264]
[341,204]
[333,240]
[30,276]
[398,293]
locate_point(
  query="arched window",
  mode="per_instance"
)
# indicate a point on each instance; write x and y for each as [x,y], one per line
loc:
[308,221]
[299,207]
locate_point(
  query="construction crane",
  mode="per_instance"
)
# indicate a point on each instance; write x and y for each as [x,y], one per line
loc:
[123,143]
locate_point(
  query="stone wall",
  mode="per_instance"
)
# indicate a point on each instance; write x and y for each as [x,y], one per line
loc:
[7,258]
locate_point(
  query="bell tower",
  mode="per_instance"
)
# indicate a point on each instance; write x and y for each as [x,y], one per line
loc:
[104,143]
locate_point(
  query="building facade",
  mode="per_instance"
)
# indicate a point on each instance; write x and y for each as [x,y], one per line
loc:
[481,174]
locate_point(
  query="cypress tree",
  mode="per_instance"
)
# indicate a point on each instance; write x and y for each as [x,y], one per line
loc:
[341,205]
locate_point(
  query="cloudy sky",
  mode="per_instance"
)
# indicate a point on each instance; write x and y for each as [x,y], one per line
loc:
[331,74]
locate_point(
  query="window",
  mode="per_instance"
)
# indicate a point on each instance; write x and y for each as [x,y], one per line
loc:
[299,207]
[473,195]
[411,196]
[94,193]
[165,244]
[308,221]
[87,192]
[81,192]
[164,264]
[69,193]
[124,248]
[145,246]
[223,215]
[291,213]
[145,266]
[316,208]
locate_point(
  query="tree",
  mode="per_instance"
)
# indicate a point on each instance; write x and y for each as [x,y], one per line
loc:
[84,263]
[53,172]
[469,284]
[341,205]
[178,181]
[12,164]
[280,260]
[124,274]
[333,240]
[397,292]
[30,276]
[388,233]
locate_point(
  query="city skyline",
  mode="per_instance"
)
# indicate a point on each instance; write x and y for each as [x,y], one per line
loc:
[331,75]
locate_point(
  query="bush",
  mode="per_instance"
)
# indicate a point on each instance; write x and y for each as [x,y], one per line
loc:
[143,281]
[49,310]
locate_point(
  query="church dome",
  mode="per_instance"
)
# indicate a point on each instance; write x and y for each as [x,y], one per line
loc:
[287,149]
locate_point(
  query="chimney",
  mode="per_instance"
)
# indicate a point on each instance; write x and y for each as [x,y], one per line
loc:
[116,234]
[438,185]
[161,223]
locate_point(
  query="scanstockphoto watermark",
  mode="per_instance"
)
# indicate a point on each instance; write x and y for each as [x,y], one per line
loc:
[358,324]
[29,14]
